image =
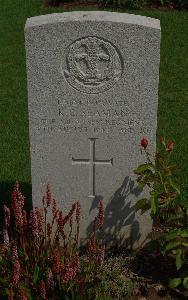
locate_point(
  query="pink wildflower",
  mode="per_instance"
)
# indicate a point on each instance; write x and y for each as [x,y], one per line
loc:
[67,217]
[95,224]
[71,221]
[6,216]
[49,230]
[91,247]
[24,217]
[34,223]
[18,216]
[17,204]
[47,200]
[57,263]
[14,252]
[81,282]
[55,211]
[43,289]
[22,295]
[40,219]
[101,256]
[54,207]
[50,281]
[61,222]
[69,272]
[16,273]
[5,238]
[100,214]
[76,264]
[78,212]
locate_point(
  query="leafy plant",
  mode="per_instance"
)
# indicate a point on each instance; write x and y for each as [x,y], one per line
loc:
[39,260]
[168,203]
[158,174]
[175,242]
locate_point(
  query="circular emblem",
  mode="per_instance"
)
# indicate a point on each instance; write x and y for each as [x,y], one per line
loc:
[93,65]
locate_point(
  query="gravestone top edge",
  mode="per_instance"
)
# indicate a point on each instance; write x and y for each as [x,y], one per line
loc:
[82,16]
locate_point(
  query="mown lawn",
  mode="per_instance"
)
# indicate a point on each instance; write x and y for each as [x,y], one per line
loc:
[14,126]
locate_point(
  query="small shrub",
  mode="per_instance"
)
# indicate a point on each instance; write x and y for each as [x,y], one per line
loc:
[34,264]
[168,203]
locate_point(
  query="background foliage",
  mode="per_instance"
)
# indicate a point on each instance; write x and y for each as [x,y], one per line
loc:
[135,4]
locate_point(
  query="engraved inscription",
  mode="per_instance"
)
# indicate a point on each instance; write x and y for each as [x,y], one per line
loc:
[94,65]
[92,161]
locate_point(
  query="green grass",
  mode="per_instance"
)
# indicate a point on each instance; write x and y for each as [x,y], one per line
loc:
[14,127]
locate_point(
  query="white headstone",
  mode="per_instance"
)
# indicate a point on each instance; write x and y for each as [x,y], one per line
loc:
[92,95]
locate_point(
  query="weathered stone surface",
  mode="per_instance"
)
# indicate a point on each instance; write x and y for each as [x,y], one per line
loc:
[92,95]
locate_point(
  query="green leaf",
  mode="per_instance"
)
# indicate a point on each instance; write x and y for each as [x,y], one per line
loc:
[175,186]
[36,274]
[185,244]
[183,202]
[142,168]
[174,218]
[145,208]
[185,282]
[172,245]
[183,233]
[172,234]
[1,259]
[140,204]
[153,204]
[141,185]
[174,282]
[179,259]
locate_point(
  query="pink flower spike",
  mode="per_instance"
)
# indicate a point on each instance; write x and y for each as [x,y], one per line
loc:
[6,216]
[5,238]
[24,217]
[76,264]
[43,289]
[50,281]
[69,272]
[49,196]
[101,214]
[16,273]
[14,252]
[78,207]
[101,256]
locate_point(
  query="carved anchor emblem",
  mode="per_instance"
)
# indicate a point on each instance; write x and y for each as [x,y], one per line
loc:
[92,58]
[93,65]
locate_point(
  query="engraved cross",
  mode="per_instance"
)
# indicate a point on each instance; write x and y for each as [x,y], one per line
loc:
[92,161]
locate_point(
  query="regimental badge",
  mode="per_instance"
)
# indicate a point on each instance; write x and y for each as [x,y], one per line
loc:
[94,65]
